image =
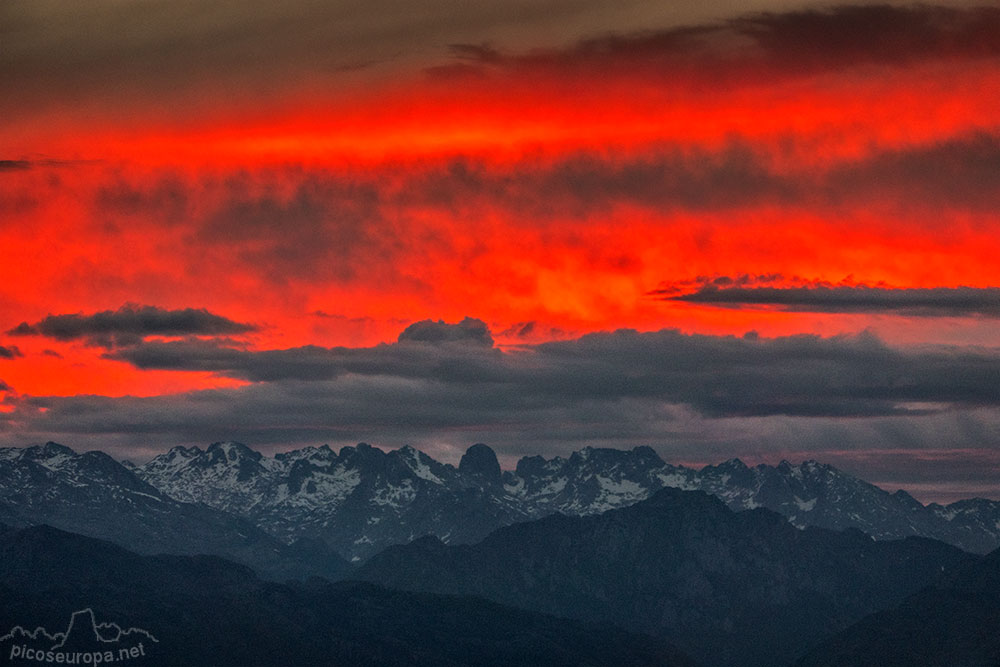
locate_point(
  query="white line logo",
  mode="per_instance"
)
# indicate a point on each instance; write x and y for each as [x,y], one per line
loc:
[84,642]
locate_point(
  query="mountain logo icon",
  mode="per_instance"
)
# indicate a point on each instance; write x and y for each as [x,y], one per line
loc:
[84,642]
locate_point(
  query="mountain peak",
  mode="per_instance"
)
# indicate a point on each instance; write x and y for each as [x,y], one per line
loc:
[49,450]
[480,461]
[905,499]
[363,451]
[647,452]
[814,466]
[231,451]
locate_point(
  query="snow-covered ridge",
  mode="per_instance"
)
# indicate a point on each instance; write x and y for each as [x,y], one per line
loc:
[94,495]
[366,492]
[362,499]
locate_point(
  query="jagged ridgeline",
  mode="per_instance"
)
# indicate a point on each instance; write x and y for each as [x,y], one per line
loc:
[317,502]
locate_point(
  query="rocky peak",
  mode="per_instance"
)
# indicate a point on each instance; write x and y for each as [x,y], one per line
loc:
[906,500]
[480,461]
[231,451]
[50,450]
[733,464]
[316,455]
[530,466]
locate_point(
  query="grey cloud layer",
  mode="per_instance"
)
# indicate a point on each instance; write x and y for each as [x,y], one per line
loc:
[130,324]
[922,302]
[962,173]
[801,375]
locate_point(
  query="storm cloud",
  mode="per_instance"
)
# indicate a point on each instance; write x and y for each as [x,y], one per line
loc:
[914,301]
[717,376]
[131,324]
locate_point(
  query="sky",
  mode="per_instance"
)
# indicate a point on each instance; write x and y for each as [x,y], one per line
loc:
[764,230]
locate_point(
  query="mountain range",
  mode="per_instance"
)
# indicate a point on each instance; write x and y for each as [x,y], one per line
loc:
[297,512]
[554,562]
[95,495]
[361,499]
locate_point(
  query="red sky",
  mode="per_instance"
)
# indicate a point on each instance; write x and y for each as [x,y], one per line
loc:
[564,173]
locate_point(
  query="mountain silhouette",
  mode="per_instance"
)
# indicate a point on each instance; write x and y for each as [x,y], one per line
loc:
[953,622]
[729,588]
[205,610]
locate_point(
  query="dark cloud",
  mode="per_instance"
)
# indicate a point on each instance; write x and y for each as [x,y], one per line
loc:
[469,330]
[375,225]
[130,324]
[327,226]
[874,34]
[922,302]
[23,165]
[458,353]
[168,195]
[283,223]
[758,47]
[208,355]
[802,375]
[5,387]
[961,173]
[10,352]
[12,165]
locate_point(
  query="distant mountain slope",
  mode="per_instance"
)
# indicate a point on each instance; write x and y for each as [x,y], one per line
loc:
[361,500]
[93,494]
[207,611]
[953,623]
[729,588]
